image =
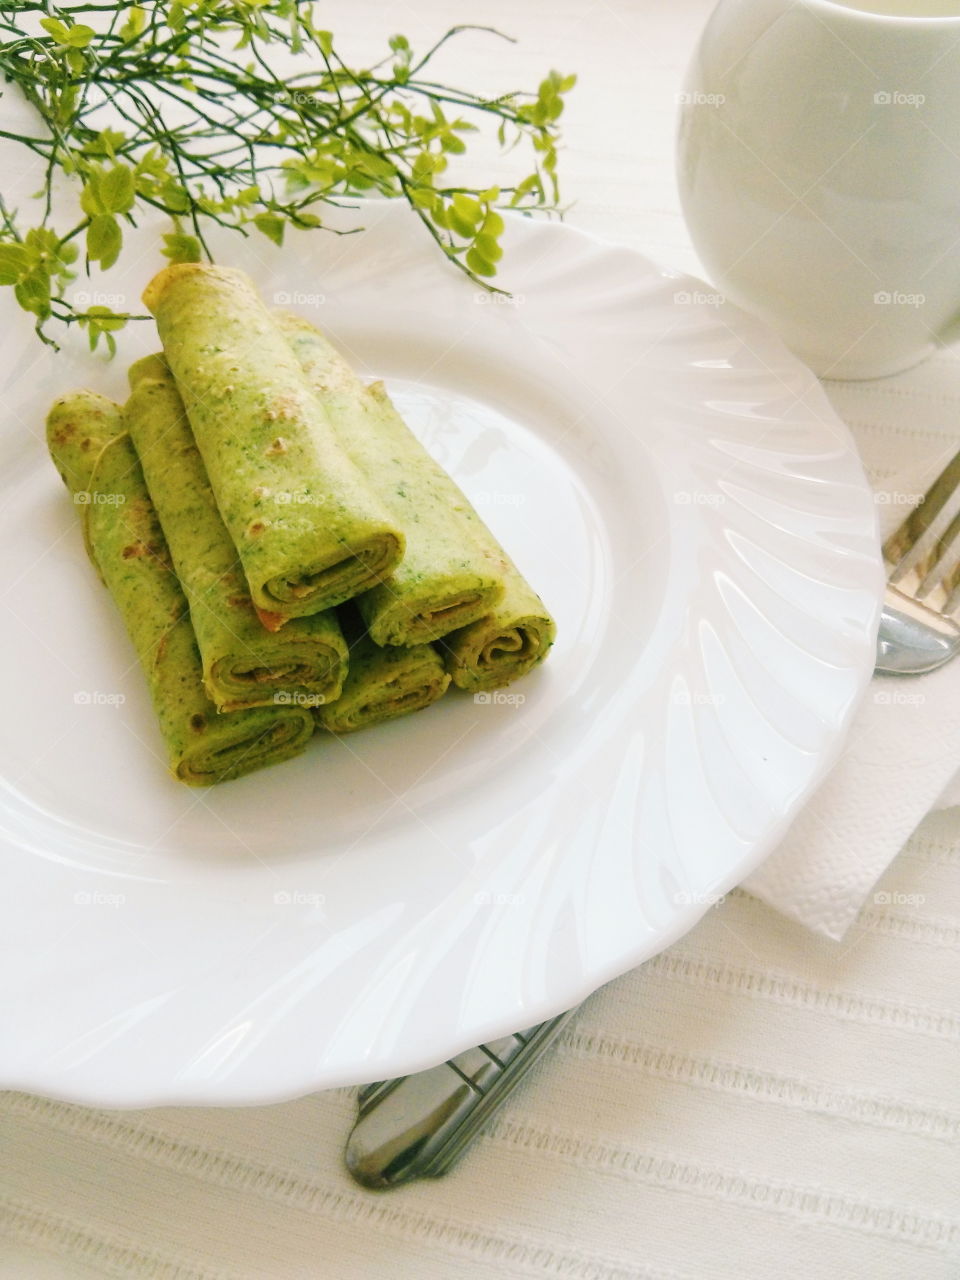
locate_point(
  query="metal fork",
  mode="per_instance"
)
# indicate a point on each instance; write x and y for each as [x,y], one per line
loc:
[417,1126]
[919,628]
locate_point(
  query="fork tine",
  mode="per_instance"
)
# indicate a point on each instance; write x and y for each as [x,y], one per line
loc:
[943,562]
[919,533]
[951,585]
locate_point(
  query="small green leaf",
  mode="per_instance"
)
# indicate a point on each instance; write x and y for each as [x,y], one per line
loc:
[14,263]
[400,45]
[33,293]
[66,104]
[179,247]
[527,187]
[375,165]
[110,140]
[68,251]
[423,197]
[117,191]
[104,240]
[492,224]
[479,264]
[467,207]
[488,248]
[91,201]
[55,28]
[424,166]
[174,196]
[135,24]
[271,225]
[325,41]
[462,226]
[79,37]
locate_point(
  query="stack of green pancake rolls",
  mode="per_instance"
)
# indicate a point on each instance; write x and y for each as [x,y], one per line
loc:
[284,552]
[88,444]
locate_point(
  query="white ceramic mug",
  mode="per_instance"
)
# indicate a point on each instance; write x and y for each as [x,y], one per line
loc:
[819,170]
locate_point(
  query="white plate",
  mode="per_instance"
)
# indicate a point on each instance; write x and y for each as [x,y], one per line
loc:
[677,488]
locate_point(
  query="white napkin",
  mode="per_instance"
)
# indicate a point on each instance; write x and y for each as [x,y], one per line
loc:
[903,754]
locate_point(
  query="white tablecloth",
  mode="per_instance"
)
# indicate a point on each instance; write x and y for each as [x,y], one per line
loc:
[755,1102]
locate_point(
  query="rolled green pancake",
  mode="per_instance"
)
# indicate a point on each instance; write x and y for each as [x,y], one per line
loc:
[128,548]
[309,530]
[79,424]
[505,645]
[383,684]
[244,665]
[447,578]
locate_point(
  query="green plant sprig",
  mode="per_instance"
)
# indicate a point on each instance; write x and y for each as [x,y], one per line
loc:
[153,109]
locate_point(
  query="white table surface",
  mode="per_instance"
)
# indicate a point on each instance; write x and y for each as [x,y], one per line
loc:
[755,1102]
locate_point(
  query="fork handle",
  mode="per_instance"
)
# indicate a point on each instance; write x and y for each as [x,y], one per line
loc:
[417,1126]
